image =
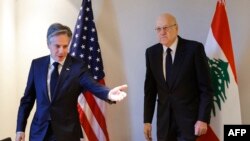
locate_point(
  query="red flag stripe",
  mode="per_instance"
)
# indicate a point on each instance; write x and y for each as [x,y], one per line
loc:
[86,125]
[222,34]
[210,136]
[97,111]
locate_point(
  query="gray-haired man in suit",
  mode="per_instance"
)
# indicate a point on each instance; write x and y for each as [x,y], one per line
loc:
[178,79]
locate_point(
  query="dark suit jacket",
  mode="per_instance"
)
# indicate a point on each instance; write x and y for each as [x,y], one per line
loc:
[62,109]
[189,93]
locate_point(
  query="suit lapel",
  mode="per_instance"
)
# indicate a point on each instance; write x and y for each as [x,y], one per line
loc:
[63,76]
[158,62]
[178,60]
[43,68]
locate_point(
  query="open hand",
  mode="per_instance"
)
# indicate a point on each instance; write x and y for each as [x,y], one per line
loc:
[117,93]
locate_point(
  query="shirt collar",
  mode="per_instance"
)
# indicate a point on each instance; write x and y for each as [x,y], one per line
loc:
[172,47]
[52,61]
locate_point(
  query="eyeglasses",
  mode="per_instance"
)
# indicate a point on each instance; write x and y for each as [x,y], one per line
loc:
[164,28]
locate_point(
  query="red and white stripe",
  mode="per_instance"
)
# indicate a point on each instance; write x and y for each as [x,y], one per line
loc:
[91,111]
[219,46]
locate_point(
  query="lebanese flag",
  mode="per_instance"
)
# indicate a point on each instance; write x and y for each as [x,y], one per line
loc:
[226,103]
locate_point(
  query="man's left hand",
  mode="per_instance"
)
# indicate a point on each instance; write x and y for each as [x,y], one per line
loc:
[200,128]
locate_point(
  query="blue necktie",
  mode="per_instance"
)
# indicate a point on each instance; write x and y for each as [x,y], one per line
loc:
[168,64]
[53,79]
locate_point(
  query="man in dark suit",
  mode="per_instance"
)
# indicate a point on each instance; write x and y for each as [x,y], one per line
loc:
[54,82]
[178,78]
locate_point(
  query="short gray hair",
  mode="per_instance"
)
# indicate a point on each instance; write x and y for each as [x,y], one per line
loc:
[57,29]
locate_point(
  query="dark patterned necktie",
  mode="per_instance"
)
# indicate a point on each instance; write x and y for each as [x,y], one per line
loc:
[53,79]
[168,64]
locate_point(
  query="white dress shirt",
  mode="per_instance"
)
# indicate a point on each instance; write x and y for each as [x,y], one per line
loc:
[164,55]
[50,70]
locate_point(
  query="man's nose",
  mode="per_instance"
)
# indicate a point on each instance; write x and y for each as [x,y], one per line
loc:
[60,50]
[162,32]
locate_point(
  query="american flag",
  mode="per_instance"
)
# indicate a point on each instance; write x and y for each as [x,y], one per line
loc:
[85,46]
